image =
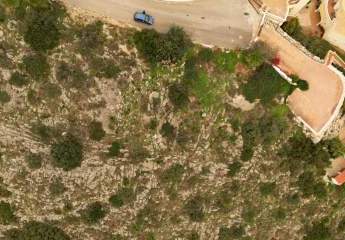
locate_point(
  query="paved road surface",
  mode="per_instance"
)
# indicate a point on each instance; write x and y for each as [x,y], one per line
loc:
[224,23]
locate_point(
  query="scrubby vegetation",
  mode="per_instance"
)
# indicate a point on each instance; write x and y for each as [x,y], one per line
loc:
[315,45]
[113,133]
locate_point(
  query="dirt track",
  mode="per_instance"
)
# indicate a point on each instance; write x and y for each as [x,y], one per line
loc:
[225,23]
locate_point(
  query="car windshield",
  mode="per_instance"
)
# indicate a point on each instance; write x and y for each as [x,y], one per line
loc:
[147,18]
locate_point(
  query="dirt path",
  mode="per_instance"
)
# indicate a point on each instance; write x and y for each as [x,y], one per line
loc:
[225,23]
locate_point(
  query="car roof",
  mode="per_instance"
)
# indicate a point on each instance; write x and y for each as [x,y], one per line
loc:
[140,15]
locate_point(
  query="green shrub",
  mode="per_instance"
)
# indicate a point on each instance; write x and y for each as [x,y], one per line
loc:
[265,85]
[299,151]
[92,37]
[301,84]
[104,68]
[226,61]
[234,232]
[67,153]
[308,185]
[96,131]
[334,147]
[267,188]
[34,160]
[193,236]
[315,45]
[3,15]
[292,27]
[173,174]
[43,26]
[36,66]
[249,213]
[71,76]
[44,132]
[50,90]
[93,213]
[114,149]
[123,196]
[56,187]
[33,97]
[4,97]
[17,79]
[37,231]
[178,95]
[234,168]
[169,47]
[318,231]
[279,214]
[194,208]
[6,213]
[168,131]
[205,55]
[4,193]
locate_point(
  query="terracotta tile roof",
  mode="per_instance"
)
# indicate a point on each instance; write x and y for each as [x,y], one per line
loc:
[340,179]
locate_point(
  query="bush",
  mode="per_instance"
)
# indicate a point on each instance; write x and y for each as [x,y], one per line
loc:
[309,186]
[194,208]
[50,90]
[37,231]
[43,26]
[34,160]
[104,68]
[299,151]
[169,47]
[315,45]
[234,232]
[6,213]
[57,187]
[36,66]
[318,231]
[93,213]
[44,132]
[67,153]
[33,97]
[168,131]
[173,174]
[92,37]
[123,196]
[265,85]
[193,236]
[234,168]
[267,188]
[96,131]
[4,193]
[279,214]
[301,84]
[4,97]
[17,79]
[114,149]
[3,15]
[71,76]
[178,95]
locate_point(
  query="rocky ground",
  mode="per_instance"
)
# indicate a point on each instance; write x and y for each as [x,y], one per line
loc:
[182,169]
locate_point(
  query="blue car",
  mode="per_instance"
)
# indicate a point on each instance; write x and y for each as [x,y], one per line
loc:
[143,17]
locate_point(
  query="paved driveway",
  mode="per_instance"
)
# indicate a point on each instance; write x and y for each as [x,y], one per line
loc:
[225,23]
[317,105]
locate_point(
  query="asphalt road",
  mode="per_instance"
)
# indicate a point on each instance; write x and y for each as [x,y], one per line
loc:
[224,23]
